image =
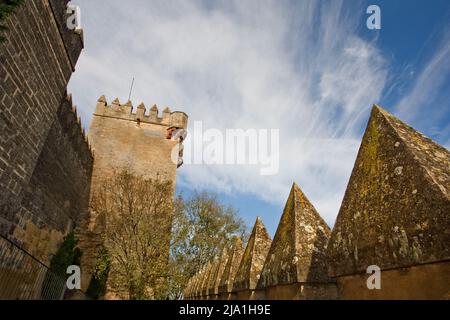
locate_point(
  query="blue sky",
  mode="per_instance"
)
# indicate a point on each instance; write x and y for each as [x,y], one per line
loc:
[311,69]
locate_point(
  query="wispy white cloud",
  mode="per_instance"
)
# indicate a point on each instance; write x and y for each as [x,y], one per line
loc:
[418,105]
[243,64]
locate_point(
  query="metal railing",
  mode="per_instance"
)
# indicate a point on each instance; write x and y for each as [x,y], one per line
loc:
[23,277]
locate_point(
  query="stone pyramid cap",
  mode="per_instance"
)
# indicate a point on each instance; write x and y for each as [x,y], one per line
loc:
[255,254]
[395,212]
[116,101]
[198,283]
[187,289]
[205,281]
[232,265]
[298,251]
[212,275]
[218,272]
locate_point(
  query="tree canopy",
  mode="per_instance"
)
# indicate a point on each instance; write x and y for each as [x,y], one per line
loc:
[154,244]
[202,228]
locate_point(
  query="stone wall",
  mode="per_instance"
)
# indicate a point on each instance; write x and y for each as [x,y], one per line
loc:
[395,215]
[45,160]
[56,199]
[420,282]
[36,63]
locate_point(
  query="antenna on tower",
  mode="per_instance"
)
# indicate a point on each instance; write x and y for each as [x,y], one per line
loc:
[131,90]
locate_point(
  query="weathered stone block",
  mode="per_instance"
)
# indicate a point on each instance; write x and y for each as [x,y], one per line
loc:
[231,268]
[252,262]
[395,213]
[297,257]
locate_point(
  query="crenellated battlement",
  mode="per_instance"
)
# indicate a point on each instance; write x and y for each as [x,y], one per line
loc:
[71,124]
[393,219]
[126,112]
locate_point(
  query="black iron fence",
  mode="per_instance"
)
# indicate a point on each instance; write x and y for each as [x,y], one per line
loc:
[23,277]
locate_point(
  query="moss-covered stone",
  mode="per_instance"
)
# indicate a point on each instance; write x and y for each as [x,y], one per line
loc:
[395,212]
[252,262]
[297,254]
[218,272]
[212,277]
[231,267]
[205,280]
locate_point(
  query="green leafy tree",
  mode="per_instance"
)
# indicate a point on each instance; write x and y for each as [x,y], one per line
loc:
[137,235]
[67,255]
[202,228]
[97,286]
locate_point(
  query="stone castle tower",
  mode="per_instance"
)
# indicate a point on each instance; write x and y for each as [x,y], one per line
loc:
[143,143]
[139,142]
